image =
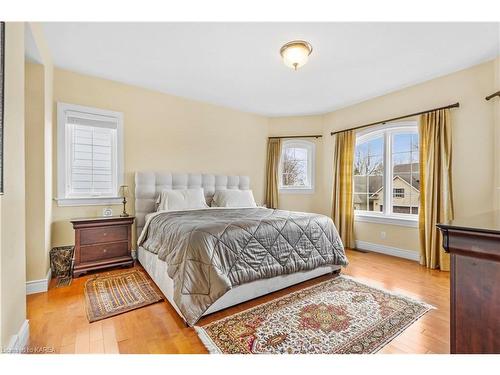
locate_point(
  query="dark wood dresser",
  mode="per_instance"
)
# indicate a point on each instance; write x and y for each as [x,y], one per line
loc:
[101,243]
[474,246]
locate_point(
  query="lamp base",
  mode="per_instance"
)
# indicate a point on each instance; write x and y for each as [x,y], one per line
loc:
[124,213]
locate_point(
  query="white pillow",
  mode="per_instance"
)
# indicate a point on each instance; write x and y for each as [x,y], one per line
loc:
[233,198]
[182,199]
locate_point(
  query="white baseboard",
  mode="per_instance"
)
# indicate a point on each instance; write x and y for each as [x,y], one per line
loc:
[388,250]
[39,286]
[19,341]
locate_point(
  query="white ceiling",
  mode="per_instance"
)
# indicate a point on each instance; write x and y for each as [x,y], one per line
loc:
[238,65]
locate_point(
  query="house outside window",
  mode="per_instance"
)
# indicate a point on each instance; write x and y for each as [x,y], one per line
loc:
[386,169]
[296,170]
[90,155]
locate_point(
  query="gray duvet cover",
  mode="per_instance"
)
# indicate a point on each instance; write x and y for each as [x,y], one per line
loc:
[209,251]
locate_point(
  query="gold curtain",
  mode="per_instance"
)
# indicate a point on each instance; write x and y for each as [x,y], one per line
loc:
[436,195]
[273,160]
[342,206]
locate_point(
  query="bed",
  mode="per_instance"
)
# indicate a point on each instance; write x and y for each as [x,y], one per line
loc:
[205,260]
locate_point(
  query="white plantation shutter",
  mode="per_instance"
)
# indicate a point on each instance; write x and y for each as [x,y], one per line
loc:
[92,154]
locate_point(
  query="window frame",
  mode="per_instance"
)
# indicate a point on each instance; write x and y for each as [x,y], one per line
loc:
[311,166]
[387,216]
[63,147]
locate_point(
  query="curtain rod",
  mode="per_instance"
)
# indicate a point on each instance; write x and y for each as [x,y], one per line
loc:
[297,136]
[493,95]
[455,105]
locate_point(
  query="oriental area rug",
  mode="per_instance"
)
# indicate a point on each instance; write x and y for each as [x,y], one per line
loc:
[336,316]
[114,294]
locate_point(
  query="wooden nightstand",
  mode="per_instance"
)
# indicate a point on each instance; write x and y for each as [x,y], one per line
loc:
[101,243]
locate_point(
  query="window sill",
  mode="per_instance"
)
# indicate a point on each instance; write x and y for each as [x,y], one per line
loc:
[94,201]
[296,191]
[391,220]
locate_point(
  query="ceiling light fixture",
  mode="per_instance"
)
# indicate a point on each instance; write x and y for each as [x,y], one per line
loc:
[295,53]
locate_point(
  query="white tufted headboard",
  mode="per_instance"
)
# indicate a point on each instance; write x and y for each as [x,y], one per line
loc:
[148,186]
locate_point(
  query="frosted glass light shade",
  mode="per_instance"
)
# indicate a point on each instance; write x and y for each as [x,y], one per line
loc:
[123,191]
[295,53]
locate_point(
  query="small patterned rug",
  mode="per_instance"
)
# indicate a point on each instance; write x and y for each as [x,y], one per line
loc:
[336,316]
[114,294]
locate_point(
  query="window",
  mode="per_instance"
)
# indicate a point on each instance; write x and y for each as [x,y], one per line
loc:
[90,155]
[297,167]
[386,169]
[398,192]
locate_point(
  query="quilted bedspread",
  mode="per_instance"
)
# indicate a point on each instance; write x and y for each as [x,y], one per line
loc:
[209,251]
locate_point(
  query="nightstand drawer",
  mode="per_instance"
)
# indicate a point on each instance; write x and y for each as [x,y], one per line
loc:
[103,251]
[104,234]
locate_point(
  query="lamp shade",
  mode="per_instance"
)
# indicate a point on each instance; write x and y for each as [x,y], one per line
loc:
[295,53]
[123,191]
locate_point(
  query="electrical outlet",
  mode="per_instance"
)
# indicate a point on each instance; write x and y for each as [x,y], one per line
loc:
[382,235]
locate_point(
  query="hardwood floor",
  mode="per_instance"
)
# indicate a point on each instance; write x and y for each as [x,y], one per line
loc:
[58,321]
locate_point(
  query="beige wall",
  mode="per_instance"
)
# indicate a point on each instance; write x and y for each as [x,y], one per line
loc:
[303,125]
[36,262]
[473,144]
[164,133]
[496,108]
[12,203]
[38,160]
[38,112]
[48,73]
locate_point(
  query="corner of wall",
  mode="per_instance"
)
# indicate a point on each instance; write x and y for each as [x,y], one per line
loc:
[39,108]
